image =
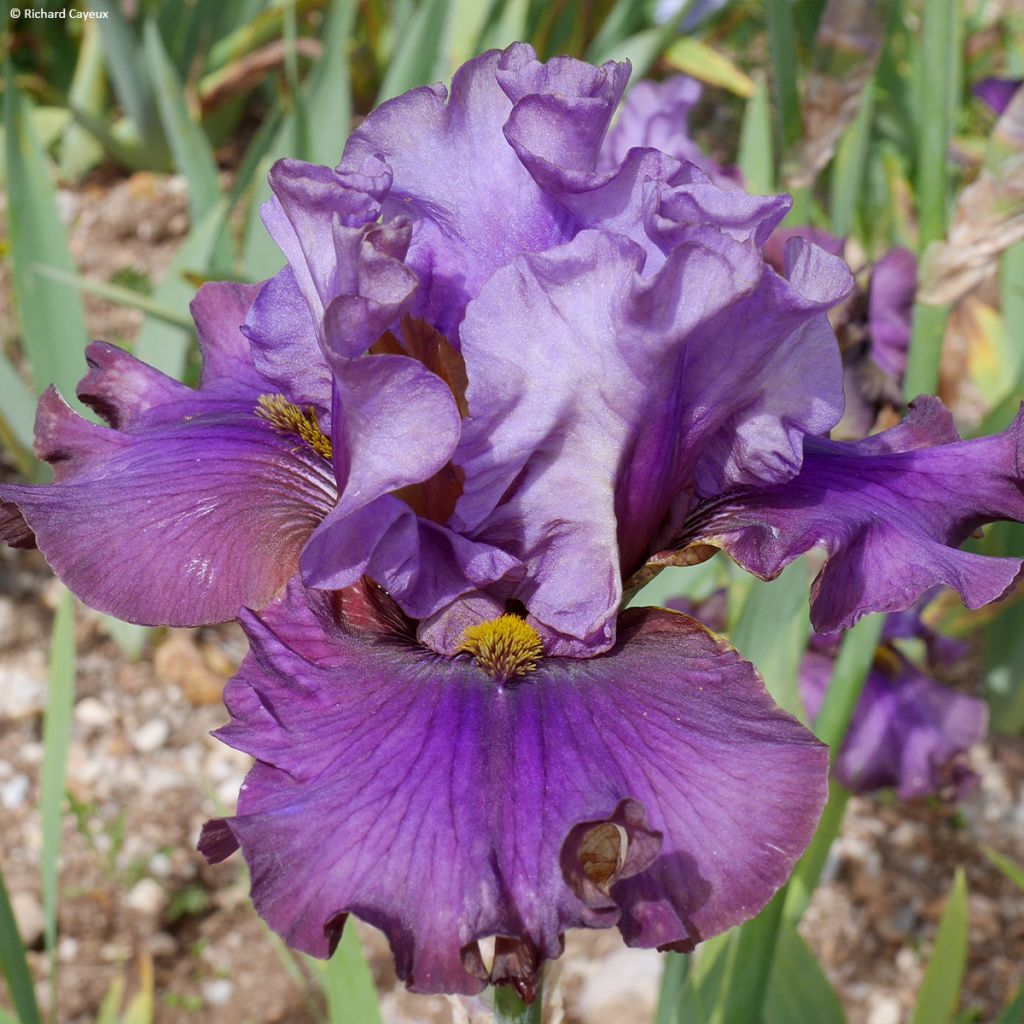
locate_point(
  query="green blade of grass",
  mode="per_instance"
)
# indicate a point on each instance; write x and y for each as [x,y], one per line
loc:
[850,164]
[772,632]
[856,653]
[328,105]
[643,48]
[782,46]
[1011,302]
[1013,1012]
[264,27]
[698,60]
[300,114]
[798,989]
[160,344]
[78,150]
[121,296]
[707,975]
[935,118]
[625,19]
[746,990]
[129,79]
[329,88]
[755,159]
[56,740]
[940,990]
[675,971]
[807,873]
[189,146]
[928,329]
[14,964]
[52,317]
[1013,871]
[417,54]
[17,417]
[505,23]
[348,983]
[110,1008]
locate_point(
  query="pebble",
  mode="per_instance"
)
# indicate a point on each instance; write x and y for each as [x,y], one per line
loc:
[217,993]
[67,949]
[162,944]
[160,865]
[91,713]
[885,1010]
[13,792]
[147,897]
[151,736]
[28,913]
[23,694]
[178,660]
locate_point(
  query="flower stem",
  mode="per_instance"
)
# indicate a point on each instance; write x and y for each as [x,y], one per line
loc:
[509,1008]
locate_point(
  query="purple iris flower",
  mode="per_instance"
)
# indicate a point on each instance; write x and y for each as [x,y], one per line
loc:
[996,93]
[498,376]
[908,732]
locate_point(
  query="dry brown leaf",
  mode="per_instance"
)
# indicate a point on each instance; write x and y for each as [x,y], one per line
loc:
[989,217]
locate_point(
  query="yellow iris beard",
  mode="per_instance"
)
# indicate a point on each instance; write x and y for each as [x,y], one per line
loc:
[290,419]
[505,647]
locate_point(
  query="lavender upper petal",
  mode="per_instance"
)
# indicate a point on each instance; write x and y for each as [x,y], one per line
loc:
[473,204]
[423,565]
[284,341]
[890,510]
[463,800]
[620,394]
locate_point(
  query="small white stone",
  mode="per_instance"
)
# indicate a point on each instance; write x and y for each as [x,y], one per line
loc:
[147,897]
[160,865]
[885,1010]
[151,736]
[217,993]
[92,713]
[28,913]
[13,792]
[67,949]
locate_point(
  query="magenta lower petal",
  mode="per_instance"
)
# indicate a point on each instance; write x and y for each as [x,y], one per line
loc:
[419,794]
[891,511]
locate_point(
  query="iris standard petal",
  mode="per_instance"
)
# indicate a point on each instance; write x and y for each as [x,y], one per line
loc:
[597,396]
[656,787]
[423,565]
[473,205]
[891,511]
[284,341]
